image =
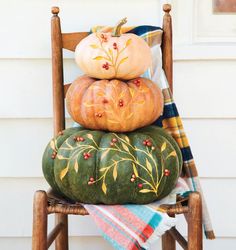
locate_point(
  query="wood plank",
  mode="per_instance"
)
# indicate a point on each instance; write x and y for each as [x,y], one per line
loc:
[70,40]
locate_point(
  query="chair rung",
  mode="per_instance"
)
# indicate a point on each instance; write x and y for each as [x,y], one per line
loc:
[179,238]
[53,234]
[79,210]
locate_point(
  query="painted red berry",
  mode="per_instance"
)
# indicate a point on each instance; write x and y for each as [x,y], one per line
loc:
[137,82]
[133,176]
[105,101]
[98,115]
[86,157]
[140,185]
[112,144]
[88,154]
[53,156]
[132,179]
[145,142]
[166,172]
[114,140]
[91,179]
[81,139]
[149,144]
[114,45]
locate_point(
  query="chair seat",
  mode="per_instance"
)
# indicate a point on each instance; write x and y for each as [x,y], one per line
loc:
[58,204]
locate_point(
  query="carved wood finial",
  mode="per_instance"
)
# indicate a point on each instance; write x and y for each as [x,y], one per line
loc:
[167,8]
[55,10]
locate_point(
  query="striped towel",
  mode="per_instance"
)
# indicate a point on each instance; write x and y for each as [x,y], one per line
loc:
[134,227]
[137,226]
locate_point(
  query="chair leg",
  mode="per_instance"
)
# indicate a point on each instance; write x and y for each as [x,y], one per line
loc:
[40,217]
[195,222]
[62,238]
[168,242]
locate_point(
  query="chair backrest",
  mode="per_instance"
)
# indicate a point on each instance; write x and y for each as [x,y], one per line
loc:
[70,40]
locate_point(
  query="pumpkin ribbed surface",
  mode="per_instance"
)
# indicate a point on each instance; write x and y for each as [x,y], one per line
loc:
[112,168]
[114,105]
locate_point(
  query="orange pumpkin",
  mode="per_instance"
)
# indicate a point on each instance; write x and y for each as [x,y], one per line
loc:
[112,55]
[114,105]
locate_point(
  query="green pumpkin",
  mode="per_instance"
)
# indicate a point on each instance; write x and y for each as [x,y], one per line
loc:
[112,168]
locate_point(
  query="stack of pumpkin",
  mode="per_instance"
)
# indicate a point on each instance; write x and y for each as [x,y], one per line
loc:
[113,158]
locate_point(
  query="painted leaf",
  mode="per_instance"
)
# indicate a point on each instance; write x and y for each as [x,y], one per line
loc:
[90,136]
[76,166]
[135,170]
[115,171]
[127,139]
[102,169]
[61,157]
[64,172]
[52,145]
[98,58]
[125,147]
[140,102]
[163,146]
[104,188]
[110,51]
[94,46]
[145,191]
[131,92]
[88,104]
[128,42]
[104,153]
[123,60]
[148,164]
[173,153]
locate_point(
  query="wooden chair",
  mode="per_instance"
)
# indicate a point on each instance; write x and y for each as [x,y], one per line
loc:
[46,203]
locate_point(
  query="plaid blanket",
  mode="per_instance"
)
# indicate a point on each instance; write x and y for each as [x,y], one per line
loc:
[137,226]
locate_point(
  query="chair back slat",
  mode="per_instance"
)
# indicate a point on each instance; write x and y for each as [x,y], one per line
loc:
[70,40]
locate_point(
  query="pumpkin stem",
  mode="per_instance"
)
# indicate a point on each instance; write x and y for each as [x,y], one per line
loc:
[116,31]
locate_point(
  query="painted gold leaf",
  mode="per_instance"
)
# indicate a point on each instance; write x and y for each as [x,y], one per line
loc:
[110,51]
[125,147]
[94,46]
[64,172]
[127,139]
[173,153]
[102,169]
[144,191]
[52,145]
[115,172]
[128,42]
[61,157]
[131,91]
[148,164]
[104,188]
[163,146]
[123,60]
[98,58]
[88,104]
[135,170]
[90,136]
[140,102]
[76,166]
[104,153]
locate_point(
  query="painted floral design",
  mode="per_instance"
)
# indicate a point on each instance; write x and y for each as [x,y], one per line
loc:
[122,146]
[112,56]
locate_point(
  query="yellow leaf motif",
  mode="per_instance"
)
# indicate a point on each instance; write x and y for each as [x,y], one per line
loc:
[61,157]
[52,145]
[144,191]
[135,170]
[94,46]
[90,136]
[131,92]
[104,188]
[123,60]
[115,171]
[110,51]
[127,139]
[125,147]
[102,169]
[98,58]
[173,153]
[64,172]
[128,42]
[104,153]
[163,146]
[76,166]
[149,166]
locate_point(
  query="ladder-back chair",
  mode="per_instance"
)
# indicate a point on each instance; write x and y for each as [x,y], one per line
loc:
[45,203]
